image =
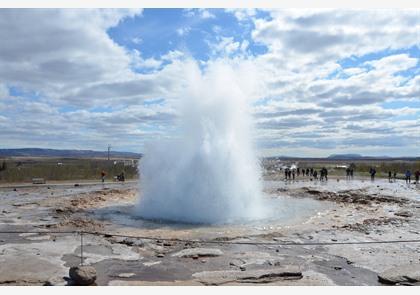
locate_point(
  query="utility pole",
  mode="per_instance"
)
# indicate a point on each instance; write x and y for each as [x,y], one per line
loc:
[109,149]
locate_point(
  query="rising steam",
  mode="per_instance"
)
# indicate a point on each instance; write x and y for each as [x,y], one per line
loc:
[210,174]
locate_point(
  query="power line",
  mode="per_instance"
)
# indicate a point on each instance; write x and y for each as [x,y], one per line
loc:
[282,243]
[109,149]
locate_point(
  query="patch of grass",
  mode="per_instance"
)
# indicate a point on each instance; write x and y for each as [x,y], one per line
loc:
[24,169]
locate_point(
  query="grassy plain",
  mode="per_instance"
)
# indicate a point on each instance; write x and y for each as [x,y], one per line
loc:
[14,170]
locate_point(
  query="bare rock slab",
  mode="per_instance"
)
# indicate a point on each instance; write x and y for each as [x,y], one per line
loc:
[126,275]
[404,214]
[401,275]
[83,275]
[260,276]
[198,252]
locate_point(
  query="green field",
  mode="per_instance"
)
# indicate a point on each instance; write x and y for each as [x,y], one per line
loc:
[15,170]
[61,169]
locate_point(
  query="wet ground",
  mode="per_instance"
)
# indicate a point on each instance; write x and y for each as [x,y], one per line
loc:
[304,211]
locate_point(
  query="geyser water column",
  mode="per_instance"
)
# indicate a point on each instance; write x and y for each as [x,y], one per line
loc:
[210,173]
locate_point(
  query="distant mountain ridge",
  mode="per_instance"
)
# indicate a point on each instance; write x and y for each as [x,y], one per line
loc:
[345,156]
[354,157]
[40,152]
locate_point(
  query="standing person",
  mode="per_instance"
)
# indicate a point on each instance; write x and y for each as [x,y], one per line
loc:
[298,171]
[311,171]
[372,172]
[289,174]
[326,174]
[307,171]
[315,175]
[417,175]
[103,176]
[352,167]
[408,176]
[285,174]
[389,176]
[395,176]
[121,177]
[293,174]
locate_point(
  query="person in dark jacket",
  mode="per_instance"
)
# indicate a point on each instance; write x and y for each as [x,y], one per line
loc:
[408,176]
[372,172]
[103,176]
[315,175]
[417,175]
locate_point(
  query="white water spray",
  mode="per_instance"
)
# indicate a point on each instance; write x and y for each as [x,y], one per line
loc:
[211,173]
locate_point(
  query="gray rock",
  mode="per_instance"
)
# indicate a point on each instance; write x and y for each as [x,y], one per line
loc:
[198,252]
[289,272]
[129,241]
[83,275]
[401,275]
[404,213]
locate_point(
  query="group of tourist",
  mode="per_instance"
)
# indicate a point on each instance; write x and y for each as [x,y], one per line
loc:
[349,173]
[291,173]
[407,175]
[392,175]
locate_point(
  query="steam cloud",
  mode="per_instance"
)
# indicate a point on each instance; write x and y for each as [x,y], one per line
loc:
[210,174]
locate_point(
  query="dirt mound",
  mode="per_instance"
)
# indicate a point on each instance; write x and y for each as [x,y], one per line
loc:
[373,223]
[357,196]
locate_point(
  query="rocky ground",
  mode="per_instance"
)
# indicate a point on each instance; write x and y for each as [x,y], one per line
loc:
[340,211]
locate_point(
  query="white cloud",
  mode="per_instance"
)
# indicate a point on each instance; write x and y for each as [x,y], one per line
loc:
[206,14]
[394,63]
[199,12]
[172,55]
[183,31]
[56,51]
[4,91]
[137,40]
[141,63]
[226,46]
[312,103]
[333,34]
[242,14]
[313,114]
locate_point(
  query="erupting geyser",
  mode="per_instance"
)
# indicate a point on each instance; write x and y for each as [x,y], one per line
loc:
[210,173]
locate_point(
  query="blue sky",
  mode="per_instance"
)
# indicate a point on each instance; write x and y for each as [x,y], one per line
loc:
[158,31]
[331,81]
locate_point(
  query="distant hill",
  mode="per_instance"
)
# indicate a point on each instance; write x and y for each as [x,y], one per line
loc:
[38,152]
[348,157]
[345,156]
[357,156]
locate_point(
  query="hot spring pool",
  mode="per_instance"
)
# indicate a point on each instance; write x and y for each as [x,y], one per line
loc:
[280,211]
